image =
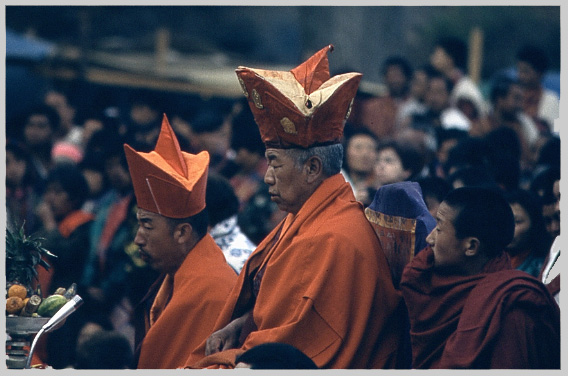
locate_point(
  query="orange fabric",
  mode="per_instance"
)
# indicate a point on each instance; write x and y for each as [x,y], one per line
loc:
[186,307]
[72,221]
[168,181]
[300,108]
[326,288]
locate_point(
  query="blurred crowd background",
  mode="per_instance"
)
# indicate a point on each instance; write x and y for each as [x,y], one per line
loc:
[83,80]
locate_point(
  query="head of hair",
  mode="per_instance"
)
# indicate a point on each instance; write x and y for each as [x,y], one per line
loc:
[549,154]
[207,120]
[21,153]
[482,213]
[331,157]
[543,182]
[397,61]
[534,56]
[410,157]
[434,186]
[104,350]
[51,114]
[220,198]
[501,87]
[456,49]
[72,181]
[473,176]
[199,222]
[469,151]
[245,134]
[538,236]
[276,356]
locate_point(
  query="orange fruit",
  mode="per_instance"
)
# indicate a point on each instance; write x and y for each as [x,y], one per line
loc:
[17,290]
[14,305]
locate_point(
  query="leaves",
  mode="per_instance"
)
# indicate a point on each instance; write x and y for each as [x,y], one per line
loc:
[23,254]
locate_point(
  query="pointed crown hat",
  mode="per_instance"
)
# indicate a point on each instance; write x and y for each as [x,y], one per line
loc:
[166,180]
[303,107]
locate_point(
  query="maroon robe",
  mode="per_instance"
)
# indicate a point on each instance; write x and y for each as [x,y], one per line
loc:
[501,318]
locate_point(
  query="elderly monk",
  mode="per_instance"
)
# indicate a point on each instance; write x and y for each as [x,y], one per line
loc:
[468,308]
[319,281]
[182,307]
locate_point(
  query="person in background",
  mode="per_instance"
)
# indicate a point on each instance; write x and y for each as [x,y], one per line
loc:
[180,309]
[223,208]
[297,286]
[359,166]
[22,195]
[468,308]
[541,104]
[38,132]
[65,228]
[397,161]
[249,157]
[531,242]
[449,56]
[507,111]
[380,114]
[434,189]
[104,349]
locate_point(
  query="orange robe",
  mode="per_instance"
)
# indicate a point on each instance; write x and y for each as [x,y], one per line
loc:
[186,307]
[326,288]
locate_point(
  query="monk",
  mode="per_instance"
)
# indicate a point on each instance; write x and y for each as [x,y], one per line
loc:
[180,310]
[468,308]
[319,281]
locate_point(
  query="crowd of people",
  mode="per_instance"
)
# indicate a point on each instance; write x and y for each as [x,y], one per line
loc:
[196,236]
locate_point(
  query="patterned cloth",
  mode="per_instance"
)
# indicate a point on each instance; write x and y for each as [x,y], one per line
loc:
[235,244]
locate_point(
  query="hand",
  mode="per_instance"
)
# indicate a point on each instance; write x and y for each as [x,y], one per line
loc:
[228,337]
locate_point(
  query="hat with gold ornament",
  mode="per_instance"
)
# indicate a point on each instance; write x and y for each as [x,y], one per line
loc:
[168,181]
[303,107]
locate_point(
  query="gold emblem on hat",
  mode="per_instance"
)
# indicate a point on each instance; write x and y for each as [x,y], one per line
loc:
[256,99]
[349,109]
[288,126]
[243,87]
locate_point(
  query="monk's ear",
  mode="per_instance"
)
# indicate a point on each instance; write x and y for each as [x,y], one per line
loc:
[313,168]
[183,233]
[471,245]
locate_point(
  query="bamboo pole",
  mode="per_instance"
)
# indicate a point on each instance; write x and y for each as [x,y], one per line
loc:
[475,54]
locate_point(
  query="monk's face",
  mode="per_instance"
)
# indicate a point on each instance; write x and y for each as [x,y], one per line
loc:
[157,245]
[286,182]
[449,251]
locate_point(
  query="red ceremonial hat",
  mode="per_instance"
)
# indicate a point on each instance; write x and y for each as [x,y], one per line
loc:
[166,180]
[303,107]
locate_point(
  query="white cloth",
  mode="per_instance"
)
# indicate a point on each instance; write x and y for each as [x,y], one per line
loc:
[552,267]
[236,246]
[549,108]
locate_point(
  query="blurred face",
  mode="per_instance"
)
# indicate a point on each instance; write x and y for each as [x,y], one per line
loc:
[419,85]
[441,60]
[157,243]
[118,176]
[286,183]
[361,154]
[449,251]
[522,229]
[527,75]
[551,219]
[437,97]
[396,81]
[512,104]
[37,130]
[389,167]
[59,201]
[15,170]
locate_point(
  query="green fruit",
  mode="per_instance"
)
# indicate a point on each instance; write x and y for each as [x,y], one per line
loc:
[50,305]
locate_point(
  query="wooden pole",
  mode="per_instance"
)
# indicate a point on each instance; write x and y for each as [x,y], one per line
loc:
[475,54]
